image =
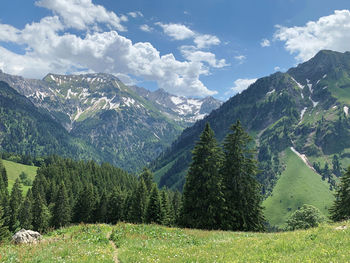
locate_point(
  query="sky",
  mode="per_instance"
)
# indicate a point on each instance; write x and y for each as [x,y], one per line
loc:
[192,48]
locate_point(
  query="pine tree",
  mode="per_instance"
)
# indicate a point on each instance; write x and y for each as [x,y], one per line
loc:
[138,203]
[26,211]
[202,196]
[341,207]
[15,203]
[61,215]
[154,209]
[3,174]
[177,206]
[243,211]
[102,208]
[41,215]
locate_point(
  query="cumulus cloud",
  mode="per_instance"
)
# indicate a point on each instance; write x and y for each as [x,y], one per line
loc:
[328,32]
[176,31]
[80,14]
[205,41]
[182,32]
[51,48]
[277,68]
[265,43]
[193,54]
[146,28]
[241,84]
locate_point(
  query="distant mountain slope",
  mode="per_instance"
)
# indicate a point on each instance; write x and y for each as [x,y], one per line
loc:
[127,126]
[306,107]
[25,129]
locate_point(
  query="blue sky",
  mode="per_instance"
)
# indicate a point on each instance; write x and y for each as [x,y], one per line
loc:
[190,48]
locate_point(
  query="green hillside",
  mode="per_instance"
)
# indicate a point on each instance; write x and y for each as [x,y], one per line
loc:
[152,243]
[15,169]
[297,185]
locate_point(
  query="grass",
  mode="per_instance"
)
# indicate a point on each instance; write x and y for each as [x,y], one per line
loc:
[297,185]
[82,243]
[150,243]
[15,169]
[153,243]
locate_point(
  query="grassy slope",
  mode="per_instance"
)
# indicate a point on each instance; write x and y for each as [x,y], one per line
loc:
[15,169]
[297,185]
[151,243]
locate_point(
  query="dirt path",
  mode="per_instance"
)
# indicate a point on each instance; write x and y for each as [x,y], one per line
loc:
[115,250]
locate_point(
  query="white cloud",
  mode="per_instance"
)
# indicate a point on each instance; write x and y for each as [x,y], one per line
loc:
[192,54]
[176,31]
[81,14]
[240,58]
[242,84]
[50,51]
[135,14]
[204,41]
[265,42]
[182,32]
[328,32]
[146,28]
[277,68]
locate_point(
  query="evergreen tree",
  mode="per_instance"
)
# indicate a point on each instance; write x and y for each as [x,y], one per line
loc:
[177,205]
[3,174]
[61,215]
[101,211]
[116,206]
[138,203]
[26,211]
[85,206]
[15,203]
[154,209]
[243,211]
[165,208]
[41,215]
[341,207]
[202,196]
[336,165]
[4,231]
[147,177]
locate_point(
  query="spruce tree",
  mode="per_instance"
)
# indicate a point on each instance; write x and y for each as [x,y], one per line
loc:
[85,206]
[116,206]
[3,174]
[26,211]
[41,215]
[4,231]
[138,203]
[147,177]
[341,207]
[154,209]
[61,215]
[243,210]
[202,196]
[165,208]
[15,203]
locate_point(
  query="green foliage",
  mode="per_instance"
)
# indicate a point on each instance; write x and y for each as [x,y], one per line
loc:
[61,215]
[26,211]
[297,185]
[243,210]
[138,201]
[41,215]
[341,207]
[15,203]
[203,197]
[154,211]
[305,217]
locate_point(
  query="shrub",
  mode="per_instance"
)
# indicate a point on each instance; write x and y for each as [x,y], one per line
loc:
[305,217]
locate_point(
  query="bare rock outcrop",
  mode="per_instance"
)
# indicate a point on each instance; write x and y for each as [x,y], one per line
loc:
[26,237]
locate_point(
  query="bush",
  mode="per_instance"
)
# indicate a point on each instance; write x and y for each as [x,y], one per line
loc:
[305,217]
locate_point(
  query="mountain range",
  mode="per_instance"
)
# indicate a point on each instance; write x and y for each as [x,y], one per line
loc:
[128,126]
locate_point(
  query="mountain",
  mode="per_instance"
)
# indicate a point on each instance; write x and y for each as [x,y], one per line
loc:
[25,129]
[128,126]
[305,110]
